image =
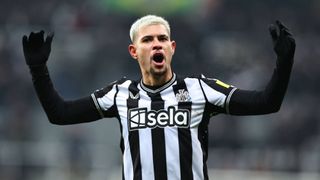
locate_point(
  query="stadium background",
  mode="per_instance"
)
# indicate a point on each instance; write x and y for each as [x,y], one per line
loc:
[226,39]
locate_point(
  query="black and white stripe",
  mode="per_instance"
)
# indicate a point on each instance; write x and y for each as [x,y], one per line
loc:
[164,153]
[184,137]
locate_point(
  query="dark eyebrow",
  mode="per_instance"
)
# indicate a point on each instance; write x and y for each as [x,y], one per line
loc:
[163,36]
[146,37]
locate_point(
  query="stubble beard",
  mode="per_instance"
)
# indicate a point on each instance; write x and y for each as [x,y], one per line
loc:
[158,73]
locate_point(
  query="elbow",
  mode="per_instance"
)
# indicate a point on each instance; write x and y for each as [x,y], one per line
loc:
[274,107]
[56,116]
[55,120]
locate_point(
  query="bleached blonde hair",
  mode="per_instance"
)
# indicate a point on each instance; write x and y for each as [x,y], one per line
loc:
[146,21]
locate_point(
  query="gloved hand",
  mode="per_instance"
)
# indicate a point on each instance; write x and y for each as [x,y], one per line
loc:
[283,42]
[36,50]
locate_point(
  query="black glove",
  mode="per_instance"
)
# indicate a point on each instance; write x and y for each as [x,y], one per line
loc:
[283,42]
[36,50]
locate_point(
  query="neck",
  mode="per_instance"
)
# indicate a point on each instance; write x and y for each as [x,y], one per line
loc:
[156,80]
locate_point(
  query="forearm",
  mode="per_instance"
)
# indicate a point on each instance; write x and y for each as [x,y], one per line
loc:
[58,110]
[244,102]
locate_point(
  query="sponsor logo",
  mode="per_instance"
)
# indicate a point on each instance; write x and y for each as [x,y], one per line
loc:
[132,96]
[140,118]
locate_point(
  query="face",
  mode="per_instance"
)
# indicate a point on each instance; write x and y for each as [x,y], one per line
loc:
[153,50]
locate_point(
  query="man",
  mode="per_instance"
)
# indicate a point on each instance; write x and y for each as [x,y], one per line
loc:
[163,117]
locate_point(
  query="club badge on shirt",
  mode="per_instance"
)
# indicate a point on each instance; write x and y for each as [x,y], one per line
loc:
[183,96]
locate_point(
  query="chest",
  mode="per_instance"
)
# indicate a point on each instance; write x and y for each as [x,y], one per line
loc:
[180,109]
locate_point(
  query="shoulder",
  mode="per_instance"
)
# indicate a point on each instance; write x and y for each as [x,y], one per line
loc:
[187,77]
[215,84]
[113,86]
[202,78]
[122,81]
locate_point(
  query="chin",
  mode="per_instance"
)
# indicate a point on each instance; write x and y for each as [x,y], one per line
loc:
[159,72]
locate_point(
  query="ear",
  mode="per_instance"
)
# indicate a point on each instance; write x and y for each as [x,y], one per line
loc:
[173,46]
[133,51]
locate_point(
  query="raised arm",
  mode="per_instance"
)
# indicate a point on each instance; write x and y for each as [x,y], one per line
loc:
[36,51]
[244,102]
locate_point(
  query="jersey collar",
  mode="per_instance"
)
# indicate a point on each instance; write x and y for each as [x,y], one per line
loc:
[161,88]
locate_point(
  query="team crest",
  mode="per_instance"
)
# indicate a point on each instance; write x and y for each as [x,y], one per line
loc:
[183,96]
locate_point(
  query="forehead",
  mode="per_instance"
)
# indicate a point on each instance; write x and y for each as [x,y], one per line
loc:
[152,30]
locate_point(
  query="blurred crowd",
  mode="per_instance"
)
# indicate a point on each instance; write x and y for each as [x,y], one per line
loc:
[224,39]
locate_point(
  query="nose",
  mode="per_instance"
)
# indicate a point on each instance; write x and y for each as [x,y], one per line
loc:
[156,45]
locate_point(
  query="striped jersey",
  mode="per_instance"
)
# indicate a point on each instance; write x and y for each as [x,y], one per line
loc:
[164,131]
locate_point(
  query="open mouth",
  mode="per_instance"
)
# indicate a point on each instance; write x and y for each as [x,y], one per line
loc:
[158,57]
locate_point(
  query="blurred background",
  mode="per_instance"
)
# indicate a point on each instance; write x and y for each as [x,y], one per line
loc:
[224,39]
